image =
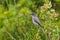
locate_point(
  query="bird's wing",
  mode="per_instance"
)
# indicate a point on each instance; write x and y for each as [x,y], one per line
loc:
[37,21]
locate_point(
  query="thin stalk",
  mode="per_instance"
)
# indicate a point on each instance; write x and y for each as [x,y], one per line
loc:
[11,36]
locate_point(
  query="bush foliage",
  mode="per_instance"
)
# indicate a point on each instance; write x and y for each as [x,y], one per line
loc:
[16,22]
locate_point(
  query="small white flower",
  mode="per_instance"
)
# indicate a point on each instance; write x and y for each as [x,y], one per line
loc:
[53,30]
[52,10]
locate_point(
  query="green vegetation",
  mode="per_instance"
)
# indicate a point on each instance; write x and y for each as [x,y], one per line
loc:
[16,22]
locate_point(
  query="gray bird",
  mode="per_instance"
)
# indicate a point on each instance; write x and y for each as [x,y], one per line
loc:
[36,21]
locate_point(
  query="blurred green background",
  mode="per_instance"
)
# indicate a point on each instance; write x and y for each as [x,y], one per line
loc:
[16,22]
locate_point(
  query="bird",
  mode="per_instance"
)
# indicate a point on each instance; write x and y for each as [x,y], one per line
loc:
[36,21]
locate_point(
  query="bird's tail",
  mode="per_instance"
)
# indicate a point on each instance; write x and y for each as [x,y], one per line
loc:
[41,27]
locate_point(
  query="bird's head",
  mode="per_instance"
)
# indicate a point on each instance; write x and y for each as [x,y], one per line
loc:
[33,14]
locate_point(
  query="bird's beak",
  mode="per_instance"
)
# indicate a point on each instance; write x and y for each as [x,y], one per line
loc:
[30,14]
